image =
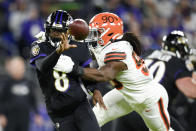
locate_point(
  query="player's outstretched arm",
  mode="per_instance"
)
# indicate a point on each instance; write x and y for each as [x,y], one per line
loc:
[47,63]
[105,73]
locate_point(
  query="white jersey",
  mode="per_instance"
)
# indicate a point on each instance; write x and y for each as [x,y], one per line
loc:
[139,93]
[135,78]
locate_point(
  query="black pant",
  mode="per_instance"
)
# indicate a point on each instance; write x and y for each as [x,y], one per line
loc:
[82,119]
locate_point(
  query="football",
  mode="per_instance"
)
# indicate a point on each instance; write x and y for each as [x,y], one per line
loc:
[79,29]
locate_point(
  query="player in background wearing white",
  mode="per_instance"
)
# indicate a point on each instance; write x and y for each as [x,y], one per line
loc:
[119,62]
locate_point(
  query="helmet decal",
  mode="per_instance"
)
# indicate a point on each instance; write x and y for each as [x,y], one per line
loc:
[108,27]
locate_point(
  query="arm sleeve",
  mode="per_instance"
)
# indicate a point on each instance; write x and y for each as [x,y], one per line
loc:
[42,59]
[47,63]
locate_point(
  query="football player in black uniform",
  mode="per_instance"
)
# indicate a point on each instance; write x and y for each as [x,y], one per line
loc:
[168,67]
[17,98]
[65,99]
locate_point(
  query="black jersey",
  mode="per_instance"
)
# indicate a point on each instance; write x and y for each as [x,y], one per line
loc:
[166,69]
[62,91]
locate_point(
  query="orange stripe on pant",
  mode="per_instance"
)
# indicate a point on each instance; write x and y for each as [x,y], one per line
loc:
[163,115]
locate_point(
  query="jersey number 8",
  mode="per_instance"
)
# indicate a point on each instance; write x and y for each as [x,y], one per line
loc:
[61,81]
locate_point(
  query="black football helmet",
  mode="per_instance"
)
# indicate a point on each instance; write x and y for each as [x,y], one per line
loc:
[58,21]
[177,42]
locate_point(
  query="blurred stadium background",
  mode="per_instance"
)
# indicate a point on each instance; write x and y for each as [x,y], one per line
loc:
[20,20]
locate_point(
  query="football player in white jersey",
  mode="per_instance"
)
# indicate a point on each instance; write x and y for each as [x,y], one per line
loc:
[119,62]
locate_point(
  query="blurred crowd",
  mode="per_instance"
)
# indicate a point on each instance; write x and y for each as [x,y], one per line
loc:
[148,19]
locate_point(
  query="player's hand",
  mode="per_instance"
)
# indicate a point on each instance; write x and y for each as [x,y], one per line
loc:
[97,98]
[64,43]
[3,121]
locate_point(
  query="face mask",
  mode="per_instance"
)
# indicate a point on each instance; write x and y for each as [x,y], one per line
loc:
[55,40]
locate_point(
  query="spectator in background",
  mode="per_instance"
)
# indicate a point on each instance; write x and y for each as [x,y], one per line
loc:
[129,11]
[18,13]
[17,97]
[29,29]
[3,122]
[7,46]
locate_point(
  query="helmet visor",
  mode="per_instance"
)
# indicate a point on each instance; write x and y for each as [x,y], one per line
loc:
[92,36]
